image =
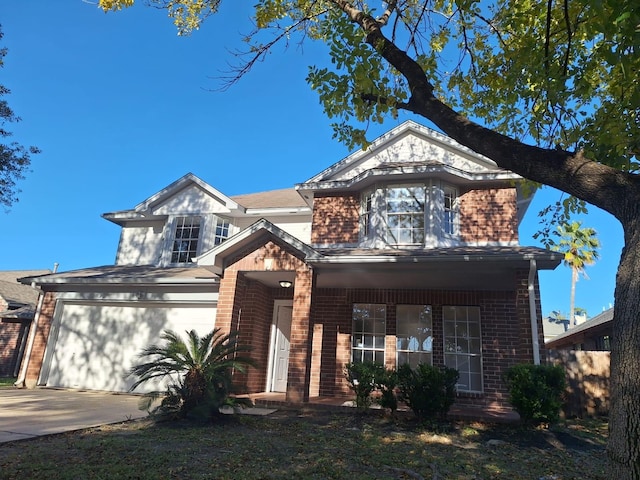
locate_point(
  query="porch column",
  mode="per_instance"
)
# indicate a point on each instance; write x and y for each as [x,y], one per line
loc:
[299,353]
[229,302]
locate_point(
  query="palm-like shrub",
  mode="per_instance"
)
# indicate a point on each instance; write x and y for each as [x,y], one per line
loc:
[200,372]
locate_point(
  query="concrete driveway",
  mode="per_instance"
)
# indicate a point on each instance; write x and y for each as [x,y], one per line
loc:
[30,413]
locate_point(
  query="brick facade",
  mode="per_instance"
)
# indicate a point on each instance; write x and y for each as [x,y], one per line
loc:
[40,341]
[336,219]
[247,306]
[505,327]
[489,216]
[13,335]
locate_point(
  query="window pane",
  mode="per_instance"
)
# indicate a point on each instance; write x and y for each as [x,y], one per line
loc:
[186,238]
[463,345]
[368,332]
[414,334]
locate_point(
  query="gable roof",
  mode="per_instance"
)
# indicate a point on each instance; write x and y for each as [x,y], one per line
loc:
[144,209]
[214,258]
[390,151]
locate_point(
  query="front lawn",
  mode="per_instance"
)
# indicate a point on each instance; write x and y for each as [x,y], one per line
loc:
[311,445]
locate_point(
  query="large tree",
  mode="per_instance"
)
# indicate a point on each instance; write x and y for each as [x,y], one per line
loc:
[14,157]
[548,90]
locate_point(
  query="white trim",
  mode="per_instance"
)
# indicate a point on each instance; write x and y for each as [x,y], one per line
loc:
[272,340]
[32,337]
[535,340]
[405,128]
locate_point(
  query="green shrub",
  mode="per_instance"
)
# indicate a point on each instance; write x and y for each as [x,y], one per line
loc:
[536,391]
[429,391]
[362,380]
[386,381]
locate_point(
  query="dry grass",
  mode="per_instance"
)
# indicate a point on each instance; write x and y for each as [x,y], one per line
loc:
[311,445]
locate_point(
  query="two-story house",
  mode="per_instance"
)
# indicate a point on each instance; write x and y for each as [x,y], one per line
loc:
[405,252]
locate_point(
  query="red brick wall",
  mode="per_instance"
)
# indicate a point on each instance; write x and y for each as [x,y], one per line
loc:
[504,322]
[247,306]
[41,337]
[489,215]
[336,219]
[12,336]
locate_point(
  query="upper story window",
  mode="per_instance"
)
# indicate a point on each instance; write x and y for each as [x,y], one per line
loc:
[366,205]
[405,209]
[186,238]
[450,208]
[411,215]
[222,231]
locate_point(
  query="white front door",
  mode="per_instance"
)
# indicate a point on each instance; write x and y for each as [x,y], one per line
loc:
[282,337]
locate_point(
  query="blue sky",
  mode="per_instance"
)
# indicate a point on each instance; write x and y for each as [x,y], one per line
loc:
[121,107]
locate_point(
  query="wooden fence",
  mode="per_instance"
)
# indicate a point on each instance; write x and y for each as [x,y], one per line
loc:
[587,381]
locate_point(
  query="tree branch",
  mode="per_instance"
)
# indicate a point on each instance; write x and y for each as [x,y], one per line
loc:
[571,172]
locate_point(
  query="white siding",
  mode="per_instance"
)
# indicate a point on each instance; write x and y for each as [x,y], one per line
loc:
[190,200]
[140,246]
[408,149]
[297,225]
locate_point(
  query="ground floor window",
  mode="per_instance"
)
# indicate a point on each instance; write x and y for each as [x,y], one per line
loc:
[369,329]
[462,345]
[414,335]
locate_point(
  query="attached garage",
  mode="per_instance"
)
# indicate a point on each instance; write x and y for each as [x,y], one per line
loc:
[93,346]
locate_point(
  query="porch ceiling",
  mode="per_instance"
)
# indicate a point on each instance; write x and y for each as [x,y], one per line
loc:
[418,276]
[477,268]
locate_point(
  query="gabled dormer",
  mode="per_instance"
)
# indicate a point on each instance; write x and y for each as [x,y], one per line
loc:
[414,188]
[175,225]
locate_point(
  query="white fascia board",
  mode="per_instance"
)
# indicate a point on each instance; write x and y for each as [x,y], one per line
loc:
[396,173]
[182,183]
[267,212]
[449,258]
[127,281]
[405,128]
[123,217]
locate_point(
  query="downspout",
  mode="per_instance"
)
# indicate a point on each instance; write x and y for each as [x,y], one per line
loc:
[20,382]
[535,341]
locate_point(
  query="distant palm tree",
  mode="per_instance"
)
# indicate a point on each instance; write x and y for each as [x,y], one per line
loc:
[580,247]
[200,371]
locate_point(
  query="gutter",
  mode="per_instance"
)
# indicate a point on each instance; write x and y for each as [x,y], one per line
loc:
[20,382]
[535,341]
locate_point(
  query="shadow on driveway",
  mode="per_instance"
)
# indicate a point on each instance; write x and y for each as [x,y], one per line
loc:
[28,413]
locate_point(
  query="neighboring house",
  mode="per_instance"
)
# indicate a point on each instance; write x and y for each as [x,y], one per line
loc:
[17,308]
[553,327]
[592,335]
[405,252]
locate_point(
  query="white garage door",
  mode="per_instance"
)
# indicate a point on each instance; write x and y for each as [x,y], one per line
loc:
[93,347]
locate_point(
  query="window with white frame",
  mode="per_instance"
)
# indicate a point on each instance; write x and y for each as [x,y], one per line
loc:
[185,240]
[222,231]
[463,345]
[365,213]
[414,335]
[404,214]
[368,333]
[450,220]
[405,209]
